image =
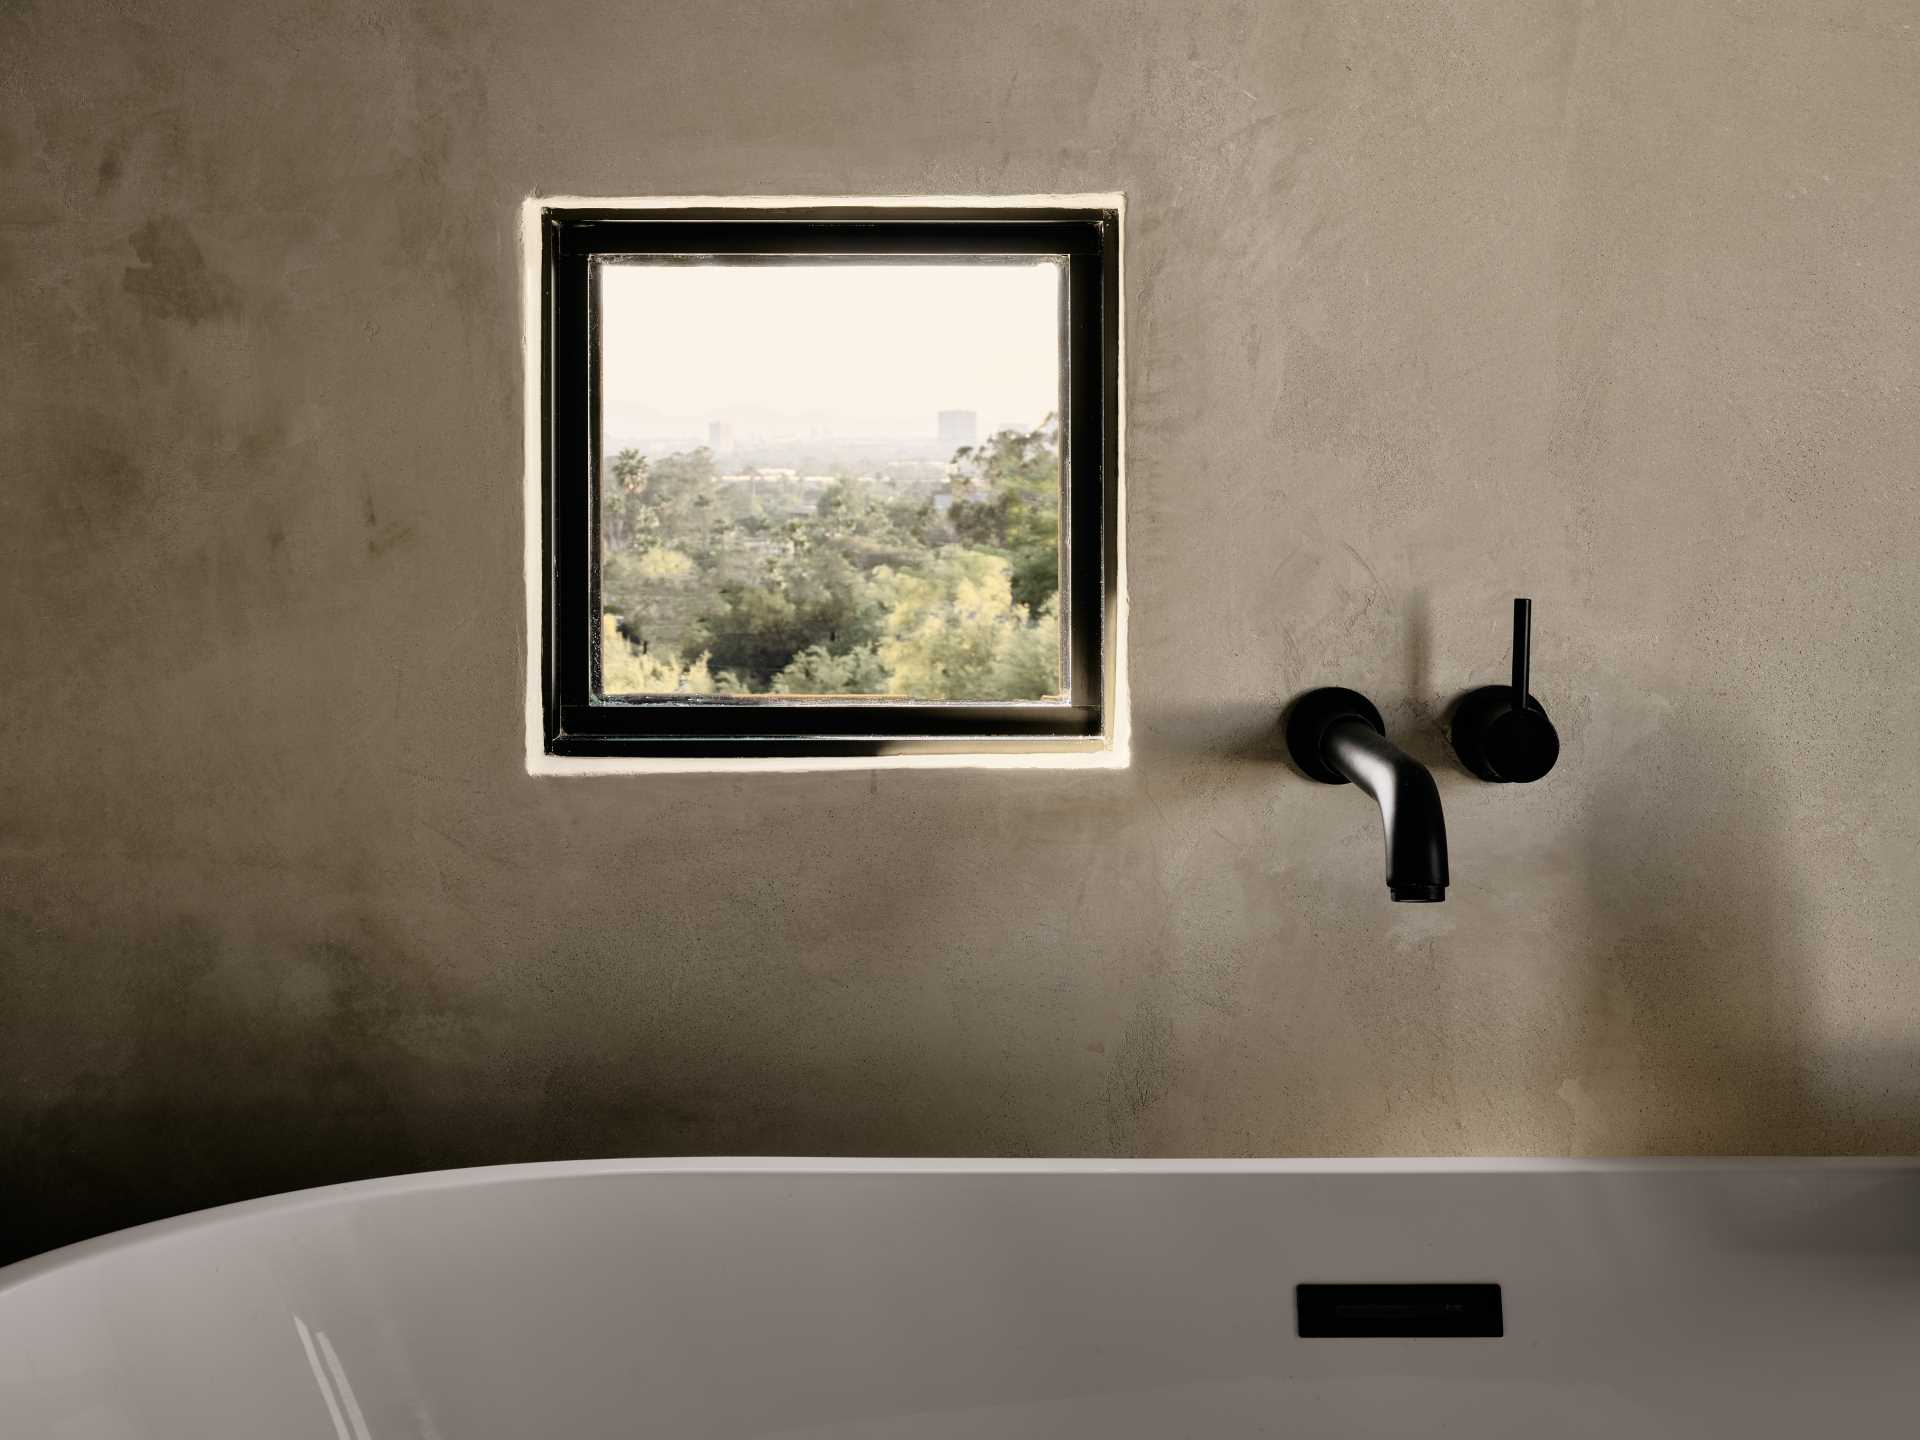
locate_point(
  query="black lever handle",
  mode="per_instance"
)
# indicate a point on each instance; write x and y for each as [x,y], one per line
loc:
[1522,649]
[1500,732]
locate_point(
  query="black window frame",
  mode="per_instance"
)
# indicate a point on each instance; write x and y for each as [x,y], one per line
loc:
[578,721]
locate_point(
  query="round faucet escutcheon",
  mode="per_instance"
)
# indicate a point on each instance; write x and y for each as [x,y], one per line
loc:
[1312,715]
[1500,732]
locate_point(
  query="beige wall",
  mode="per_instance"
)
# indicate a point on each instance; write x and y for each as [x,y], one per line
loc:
[1430,305]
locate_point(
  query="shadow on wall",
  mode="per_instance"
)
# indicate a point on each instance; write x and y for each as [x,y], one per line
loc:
[153,1076]
[1700,1033]
[150,1076]
[134,1095]
[1692,969]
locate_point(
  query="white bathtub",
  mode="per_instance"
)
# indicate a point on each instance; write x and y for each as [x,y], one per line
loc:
[985,1298]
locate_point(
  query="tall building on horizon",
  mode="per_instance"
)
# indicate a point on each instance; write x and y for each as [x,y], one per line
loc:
[719,435]
[959,427]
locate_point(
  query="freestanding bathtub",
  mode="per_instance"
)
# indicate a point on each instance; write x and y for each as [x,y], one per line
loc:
[988,1298]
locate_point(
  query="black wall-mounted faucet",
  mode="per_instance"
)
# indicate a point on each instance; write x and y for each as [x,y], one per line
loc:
[1336,736]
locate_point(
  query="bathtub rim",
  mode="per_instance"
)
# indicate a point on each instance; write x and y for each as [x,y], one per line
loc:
[289,1202]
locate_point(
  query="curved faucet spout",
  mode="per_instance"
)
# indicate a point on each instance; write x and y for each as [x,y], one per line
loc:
[1409,801]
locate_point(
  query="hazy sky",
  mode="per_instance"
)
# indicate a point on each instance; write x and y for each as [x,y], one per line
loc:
[853,348]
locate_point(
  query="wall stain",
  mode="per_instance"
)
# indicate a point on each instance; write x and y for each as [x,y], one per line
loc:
[173,280]
[94,490]
[388,537]
[384,537]
[1141,1068]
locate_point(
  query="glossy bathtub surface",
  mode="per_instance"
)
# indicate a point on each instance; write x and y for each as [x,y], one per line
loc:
[948,1299]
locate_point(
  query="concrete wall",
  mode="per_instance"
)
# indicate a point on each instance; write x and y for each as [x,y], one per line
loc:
[1430,305]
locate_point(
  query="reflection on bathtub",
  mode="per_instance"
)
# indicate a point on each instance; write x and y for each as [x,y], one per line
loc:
[334,1388]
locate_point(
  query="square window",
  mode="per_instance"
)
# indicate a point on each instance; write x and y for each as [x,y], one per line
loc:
[828,480]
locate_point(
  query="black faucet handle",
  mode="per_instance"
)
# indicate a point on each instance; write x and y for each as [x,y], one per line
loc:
[1522,649]
[1500,732]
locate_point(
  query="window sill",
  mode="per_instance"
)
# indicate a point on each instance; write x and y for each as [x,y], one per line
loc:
[1112,757]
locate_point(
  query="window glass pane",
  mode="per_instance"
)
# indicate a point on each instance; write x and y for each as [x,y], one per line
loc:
[833,480]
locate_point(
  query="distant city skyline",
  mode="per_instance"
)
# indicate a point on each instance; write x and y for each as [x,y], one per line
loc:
[760,354]
[728,434]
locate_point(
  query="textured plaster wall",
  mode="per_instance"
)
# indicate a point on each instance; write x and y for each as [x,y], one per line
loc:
[1430,305]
